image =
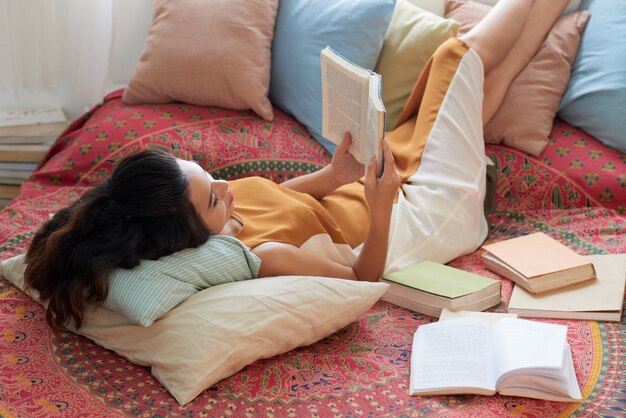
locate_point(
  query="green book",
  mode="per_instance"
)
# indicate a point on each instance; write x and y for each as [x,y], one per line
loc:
[427,287]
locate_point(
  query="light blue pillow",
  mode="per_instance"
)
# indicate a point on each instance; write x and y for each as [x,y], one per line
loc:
[150,290]
[595,99]
[153,288]
[353,28]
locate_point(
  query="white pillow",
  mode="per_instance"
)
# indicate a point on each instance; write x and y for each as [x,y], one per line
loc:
[220,330]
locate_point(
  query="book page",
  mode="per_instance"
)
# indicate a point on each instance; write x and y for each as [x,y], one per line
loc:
[454,353]
[344,105]
[528,346]
[345,90]
[561,388]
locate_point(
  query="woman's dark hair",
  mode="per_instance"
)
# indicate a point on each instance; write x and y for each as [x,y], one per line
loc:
[142,211]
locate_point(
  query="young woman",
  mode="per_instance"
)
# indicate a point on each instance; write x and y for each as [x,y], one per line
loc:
[428,203]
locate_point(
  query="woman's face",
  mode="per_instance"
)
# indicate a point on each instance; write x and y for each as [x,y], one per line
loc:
[211,198]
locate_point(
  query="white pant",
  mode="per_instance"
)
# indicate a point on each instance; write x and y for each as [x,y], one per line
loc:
[439,215]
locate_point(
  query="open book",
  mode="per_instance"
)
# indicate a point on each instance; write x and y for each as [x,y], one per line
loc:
[514,357]
[352,102]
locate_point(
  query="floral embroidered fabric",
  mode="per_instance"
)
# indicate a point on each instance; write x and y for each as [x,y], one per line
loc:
[575,192]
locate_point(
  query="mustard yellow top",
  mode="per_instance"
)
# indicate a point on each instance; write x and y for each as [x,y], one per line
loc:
[271,213]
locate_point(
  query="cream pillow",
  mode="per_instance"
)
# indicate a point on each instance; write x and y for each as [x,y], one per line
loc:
[412,37]
[213,53]
[218,331]
[146,292]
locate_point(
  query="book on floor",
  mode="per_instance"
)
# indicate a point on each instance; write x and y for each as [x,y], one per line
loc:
[32,122]
[9,191]
[4,202]
[29,140]
[29,153]
[12,180]
[493,317]
[601,299]
[10,166]
[352,102]
[537,262]
[513,357]
[427,287]
[16,171]
[12,176]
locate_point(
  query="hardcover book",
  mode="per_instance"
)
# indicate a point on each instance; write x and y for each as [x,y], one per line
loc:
[537,262]
[29,153]
[9,191]
[427,287]
[601,299]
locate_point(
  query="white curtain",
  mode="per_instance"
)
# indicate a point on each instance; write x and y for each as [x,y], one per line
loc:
[68,53]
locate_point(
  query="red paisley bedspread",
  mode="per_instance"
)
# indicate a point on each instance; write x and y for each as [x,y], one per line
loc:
[576,192]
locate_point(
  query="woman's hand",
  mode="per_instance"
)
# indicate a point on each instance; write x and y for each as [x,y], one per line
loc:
[380,192]
[344,167]
[280,259]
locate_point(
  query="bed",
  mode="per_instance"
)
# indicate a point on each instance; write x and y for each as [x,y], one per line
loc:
[575,192]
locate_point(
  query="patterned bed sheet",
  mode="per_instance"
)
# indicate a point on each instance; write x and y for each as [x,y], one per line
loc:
[575,192]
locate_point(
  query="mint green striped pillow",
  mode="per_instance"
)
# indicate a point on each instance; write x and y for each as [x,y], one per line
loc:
[146,292]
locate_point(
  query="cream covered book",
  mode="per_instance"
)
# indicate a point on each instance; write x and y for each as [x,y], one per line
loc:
[601,299]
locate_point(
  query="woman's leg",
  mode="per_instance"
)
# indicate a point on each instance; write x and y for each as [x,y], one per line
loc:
[438,143]
[507,39]
[439,150]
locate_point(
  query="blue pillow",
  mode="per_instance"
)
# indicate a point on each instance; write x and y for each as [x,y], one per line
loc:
[595,99]
[354,28]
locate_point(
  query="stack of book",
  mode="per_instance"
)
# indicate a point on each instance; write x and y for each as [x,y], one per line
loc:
[428,287]
[601,299]
[25,137]
[552,281]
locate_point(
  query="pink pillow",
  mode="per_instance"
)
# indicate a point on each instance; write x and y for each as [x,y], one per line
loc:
[211,53]
[525,118]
